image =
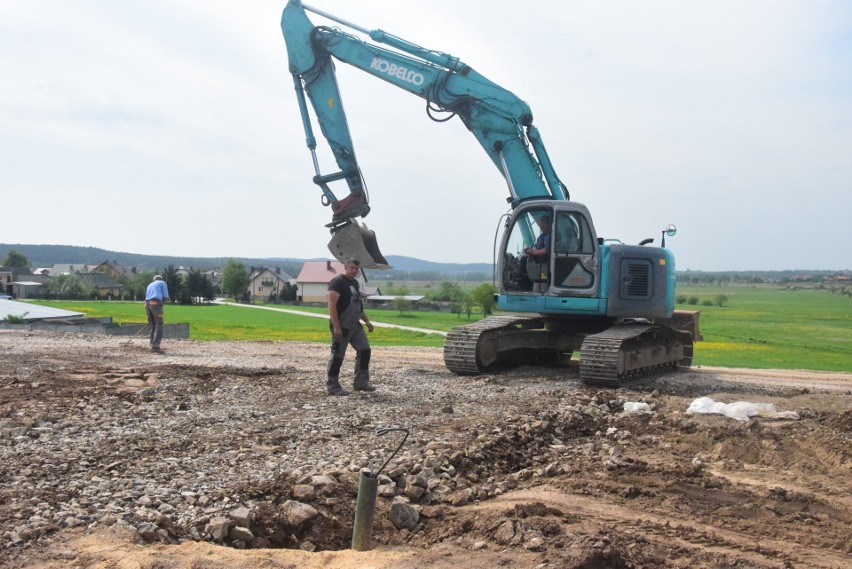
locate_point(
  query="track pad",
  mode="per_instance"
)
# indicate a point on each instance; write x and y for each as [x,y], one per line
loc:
[355,241]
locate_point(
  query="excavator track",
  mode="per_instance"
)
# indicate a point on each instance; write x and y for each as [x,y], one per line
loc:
[632,354]
[470,349]
[623,355]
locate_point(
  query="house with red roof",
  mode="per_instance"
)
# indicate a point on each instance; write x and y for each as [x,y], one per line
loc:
[314,277]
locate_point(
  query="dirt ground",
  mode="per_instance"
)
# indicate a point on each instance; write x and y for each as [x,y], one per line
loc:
[116,457]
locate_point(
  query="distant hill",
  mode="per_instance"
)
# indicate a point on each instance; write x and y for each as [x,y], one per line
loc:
[49,255]
[410,264]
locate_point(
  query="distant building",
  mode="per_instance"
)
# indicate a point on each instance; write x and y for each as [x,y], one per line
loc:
[264,282]
[369,290]
[11,275]
[115,270]
[214,275]
[26,289]
[66,269]
[103,285]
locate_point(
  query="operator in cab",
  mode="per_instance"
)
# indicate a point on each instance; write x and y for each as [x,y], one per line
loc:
[537,250]
[542,245]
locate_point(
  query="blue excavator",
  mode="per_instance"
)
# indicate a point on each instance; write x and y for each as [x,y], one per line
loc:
[563,290]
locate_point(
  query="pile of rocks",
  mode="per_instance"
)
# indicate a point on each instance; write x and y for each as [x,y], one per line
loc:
[414,491]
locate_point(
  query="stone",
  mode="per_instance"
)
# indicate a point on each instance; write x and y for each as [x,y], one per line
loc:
[414,492]
[148,532]
[322,480]
[241,516]
[296,513]
[417,480]
[534,544]
[303,493]
[403,516]
[218,528]
[505,533]
[240,533]
[460,497]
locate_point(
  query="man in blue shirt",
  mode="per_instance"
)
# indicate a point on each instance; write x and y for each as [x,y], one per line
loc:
[541,247]
[156,294]
[537,251]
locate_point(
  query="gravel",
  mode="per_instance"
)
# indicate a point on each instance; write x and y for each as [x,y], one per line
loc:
[173,444]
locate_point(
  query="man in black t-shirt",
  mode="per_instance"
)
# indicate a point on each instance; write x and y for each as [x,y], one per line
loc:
[346,311]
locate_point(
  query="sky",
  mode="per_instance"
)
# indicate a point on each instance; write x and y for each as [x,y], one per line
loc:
[172,128]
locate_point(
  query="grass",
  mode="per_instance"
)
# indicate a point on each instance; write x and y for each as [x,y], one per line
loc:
[774,328]
[760,327]
[229,322]
[443,321]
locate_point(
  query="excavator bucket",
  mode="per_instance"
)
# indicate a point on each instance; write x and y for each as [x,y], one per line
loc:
[354,241]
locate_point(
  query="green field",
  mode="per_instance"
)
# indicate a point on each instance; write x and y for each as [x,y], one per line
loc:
[228,322]
[760,327]
[774,328]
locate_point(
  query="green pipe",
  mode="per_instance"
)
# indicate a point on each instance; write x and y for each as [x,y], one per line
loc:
[365,509]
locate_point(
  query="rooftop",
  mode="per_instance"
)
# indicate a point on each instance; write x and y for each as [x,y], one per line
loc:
[33,311]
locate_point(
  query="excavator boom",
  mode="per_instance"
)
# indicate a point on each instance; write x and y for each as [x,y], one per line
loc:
[500,121]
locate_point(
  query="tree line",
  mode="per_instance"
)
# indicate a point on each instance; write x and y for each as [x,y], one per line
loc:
[460,301]
[193,287]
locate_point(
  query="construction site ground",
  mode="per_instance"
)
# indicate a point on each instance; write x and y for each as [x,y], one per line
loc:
[112,456]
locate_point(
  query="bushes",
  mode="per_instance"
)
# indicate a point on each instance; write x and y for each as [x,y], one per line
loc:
[718,300]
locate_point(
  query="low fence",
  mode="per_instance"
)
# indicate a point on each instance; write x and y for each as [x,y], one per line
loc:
[98,326]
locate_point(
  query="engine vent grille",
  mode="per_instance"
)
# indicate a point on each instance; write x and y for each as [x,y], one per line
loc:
[636,279]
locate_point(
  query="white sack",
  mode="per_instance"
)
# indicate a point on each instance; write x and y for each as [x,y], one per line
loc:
[740,410]
[636,407]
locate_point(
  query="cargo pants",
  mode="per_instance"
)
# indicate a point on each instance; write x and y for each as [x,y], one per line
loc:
[353,333]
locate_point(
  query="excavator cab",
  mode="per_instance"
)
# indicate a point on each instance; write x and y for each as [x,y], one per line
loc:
[568,238]
[524,271]
[353,240]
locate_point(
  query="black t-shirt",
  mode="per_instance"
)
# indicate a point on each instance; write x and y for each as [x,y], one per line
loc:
[341,285]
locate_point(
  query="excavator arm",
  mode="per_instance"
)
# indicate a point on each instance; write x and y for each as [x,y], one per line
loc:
[500,121]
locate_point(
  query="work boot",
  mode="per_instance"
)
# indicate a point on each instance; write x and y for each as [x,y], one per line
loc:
[158,350]
[338,391]
[364,387]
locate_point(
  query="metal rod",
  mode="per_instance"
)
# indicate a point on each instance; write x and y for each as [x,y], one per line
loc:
[381,432]
[336,19]
[507,175]
[137,333]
